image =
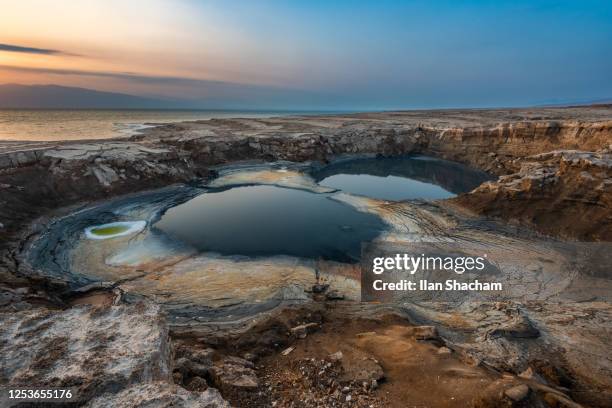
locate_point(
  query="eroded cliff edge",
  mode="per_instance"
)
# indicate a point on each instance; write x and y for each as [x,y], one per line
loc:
[554,166]
[555,163]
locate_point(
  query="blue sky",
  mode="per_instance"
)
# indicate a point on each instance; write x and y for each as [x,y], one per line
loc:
[320,54]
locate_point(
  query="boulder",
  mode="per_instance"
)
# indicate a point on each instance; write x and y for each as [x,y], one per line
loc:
[231,376]
[94,351]
[189,368]
[160,395]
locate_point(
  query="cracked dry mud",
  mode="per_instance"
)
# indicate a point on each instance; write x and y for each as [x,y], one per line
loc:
[549,331]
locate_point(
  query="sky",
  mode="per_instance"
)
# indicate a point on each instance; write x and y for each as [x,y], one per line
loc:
[315,54]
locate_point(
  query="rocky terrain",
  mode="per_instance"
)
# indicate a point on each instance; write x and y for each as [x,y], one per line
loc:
[522,145]
[118,349]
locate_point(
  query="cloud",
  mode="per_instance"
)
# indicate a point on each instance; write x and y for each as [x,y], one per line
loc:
[31,50]
[130,76]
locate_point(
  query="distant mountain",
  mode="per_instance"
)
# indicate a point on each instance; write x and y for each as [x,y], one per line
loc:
[58,97]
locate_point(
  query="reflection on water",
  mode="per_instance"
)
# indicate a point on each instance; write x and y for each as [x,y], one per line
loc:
[268,220]
[401,178]
[388,188]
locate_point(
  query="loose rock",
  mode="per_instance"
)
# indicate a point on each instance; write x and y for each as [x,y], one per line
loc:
[426,333]
[231,376]
[197,384]
[287,351]
[335,357]
[302,330]
[517,393]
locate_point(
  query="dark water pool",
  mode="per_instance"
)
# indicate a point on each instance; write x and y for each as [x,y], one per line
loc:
[268,220]
[401,178]
[264,220]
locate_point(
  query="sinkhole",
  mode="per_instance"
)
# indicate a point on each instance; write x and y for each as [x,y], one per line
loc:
[268,220]
[401,178]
